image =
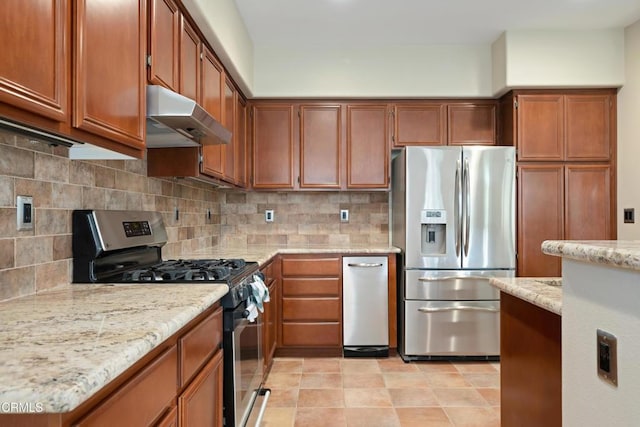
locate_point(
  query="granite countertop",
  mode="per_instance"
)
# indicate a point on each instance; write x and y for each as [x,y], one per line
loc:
[541,291]
[613,253]
[262,254]
[60,347]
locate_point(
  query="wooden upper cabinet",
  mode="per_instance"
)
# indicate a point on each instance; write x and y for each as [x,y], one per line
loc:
[273,146]
[540,127]
[320,146]
[240,142]
[34,70]
[110,82]
[190,45]
[419,124]
[540,217]
[229,123]
[367,146]
[472,124]
[164,43]
[213,101]
[588,202]
[588,127]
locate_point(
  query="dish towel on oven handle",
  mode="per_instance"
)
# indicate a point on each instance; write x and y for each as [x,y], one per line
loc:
[259,295]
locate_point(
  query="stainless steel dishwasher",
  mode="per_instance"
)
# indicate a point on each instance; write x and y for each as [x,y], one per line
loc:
[365,306]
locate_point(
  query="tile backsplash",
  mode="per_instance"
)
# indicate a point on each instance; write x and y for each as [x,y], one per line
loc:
[39,259]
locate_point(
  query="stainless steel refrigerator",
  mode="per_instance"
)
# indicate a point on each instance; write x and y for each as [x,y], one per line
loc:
[453,216]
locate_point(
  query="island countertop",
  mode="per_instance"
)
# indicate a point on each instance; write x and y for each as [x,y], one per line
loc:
[544,292]
[60,347]
[613,253]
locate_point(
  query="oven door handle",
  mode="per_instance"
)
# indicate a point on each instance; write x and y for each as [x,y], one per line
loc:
[457,308]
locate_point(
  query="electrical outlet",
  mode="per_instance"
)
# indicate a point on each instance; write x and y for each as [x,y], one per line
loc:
[24,212]
[607,354]
[269,215]
[629,216]
[344,215]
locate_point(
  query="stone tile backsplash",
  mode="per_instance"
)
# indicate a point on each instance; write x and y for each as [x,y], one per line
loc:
[39,259]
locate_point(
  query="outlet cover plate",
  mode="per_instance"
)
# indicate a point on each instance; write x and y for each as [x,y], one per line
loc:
[24,212]
[268,215]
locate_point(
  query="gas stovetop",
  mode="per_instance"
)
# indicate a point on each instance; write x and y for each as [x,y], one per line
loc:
[181,270]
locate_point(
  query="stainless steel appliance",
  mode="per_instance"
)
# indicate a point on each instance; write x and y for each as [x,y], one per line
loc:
[125,247]
[453,216]
[365,302]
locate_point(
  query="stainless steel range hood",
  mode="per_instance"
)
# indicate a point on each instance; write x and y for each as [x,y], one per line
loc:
[173,120]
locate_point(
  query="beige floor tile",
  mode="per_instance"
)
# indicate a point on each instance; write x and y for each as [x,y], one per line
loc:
[362,380]
[405,380]
[435,366]
[473,417]
[447,380]
[412,397]
[459,397]
[491,395]
[283,398]
[321,380]
[287,366]
[360,366]
[484,380]
[320,417]
[367,398]
[321,398]
[321,365]
[423,417]
[396,364]
[283,380]
[278,417]
[475,367]
[369,417]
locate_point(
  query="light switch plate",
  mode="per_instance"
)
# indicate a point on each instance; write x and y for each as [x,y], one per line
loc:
[344,215]
[268,215]
[24,213]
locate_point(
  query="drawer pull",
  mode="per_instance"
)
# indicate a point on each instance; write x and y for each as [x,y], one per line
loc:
[445,278]
[364,264]
[458,308]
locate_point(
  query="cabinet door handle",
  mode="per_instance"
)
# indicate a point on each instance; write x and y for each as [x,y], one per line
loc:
[458,308]
[364,264]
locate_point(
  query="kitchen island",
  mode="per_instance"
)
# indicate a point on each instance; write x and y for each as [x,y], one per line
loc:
[530,351]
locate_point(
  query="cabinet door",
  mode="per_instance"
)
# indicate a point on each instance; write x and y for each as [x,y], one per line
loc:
[540,127]
[34,70]
[588,202]
[240,142]
[201,402]
[110,82]
[419,124]
[471,124]
[273,146]
[164,39]
[229,123]
[588,127]
[320,146]
[540,217]
[189,61]
[213,102]
[367,146]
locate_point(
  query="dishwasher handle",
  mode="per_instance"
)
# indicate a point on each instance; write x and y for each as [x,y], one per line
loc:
[458,308]
[365,264]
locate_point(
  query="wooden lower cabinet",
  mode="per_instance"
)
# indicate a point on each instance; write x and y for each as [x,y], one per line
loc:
[530,364]
[271,313]
[201,402]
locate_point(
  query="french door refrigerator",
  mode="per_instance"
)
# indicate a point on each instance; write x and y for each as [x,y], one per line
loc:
[453,216]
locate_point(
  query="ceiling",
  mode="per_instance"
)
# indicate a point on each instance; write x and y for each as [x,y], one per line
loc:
[375,23]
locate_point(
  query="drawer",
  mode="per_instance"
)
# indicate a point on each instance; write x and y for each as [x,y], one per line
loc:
[311,309]
[311,287]
[143,399]
[326,334]
[197,345]
[312,267]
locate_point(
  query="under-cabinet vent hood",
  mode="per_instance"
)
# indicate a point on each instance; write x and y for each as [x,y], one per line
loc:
[173,120]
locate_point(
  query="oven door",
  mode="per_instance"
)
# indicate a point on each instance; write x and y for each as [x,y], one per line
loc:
[244,366]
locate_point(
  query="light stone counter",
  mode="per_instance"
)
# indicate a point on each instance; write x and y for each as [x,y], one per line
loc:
[544,292]
[612,253]
[60,347]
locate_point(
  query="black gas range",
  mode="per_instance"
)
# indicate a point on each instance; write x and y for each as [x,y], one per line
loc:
[126,247]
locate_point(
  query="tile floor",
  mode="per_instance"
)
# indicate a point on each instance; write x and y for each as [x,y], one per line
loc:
[334,392]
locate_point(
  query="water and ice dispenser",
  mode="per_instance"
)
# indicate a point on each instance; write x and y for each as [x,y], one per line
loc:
[434,232]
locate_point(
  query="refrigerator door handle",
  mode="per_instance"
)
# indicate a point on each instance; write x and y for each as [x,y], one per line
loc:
[466,207]
[457,308]
[456,210]
[445,278]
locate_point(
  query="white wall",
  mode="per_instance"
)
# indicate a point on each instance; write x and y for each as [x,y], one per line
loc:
[548,59]
[403,71]
[224,29]
[599,297]
[629,136]
[499,64]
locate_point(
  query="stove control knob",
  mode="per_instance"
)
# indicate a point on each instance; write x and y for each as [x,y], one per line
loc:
[245,314]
